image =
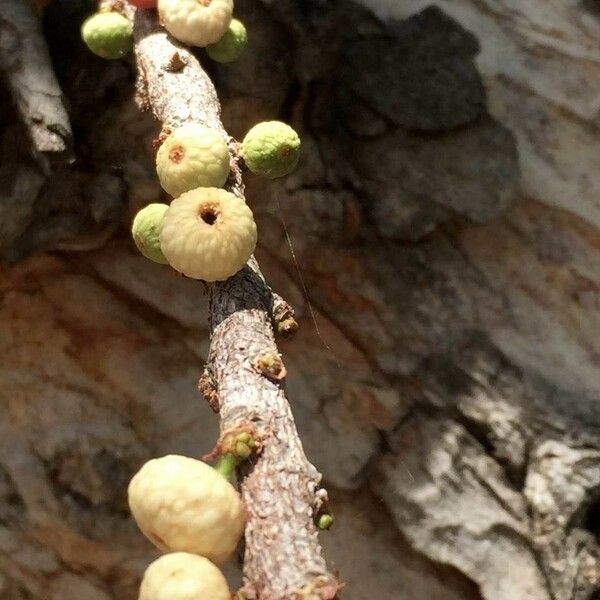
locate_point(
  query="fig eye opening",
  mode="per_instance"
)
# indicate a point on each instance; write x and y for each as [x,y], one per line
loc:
[209,214]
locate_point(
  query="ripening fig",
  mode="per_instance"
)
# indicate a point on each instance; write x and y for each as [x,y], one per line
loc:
[196,22]
[230,47]
[144,230]
[143,3]
[183,576]
[192,156]
[271,149]
[108,34]
[208,234]
[184,505]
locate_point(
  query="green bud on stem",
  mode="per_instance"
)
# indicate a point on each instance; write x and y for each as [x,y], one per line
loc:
[325,521]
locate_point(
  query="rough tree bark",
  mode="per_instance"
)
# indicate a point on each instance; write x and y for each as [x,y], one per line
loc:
[281,490]
[26,64]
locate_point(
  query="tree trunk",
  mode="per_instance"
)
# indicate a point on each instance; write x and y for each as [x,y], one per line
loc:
[444,379]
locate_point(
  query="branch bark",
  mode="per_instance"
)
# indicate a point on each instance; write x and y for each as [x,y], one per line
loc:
[281,489]
[25,62]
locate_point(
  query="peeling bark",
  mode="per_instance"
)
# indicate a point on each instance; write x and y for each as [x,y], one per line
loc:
[25,62]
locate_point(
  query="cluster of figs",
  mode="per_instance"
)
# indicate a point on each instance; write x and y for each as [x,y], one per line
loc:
[206,232]
[185,507]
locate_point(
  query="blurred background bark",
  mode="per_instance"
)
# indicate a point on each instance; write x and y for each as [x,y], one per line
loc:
[445,219]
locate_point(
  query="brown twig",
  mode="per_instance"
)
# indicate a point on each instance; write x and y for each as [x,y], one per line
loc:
[25,62]
[280,487]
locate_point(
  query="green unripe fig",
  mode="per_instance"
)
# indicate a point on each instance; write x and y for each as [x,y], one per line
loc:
[230,47]
[271,149]
[145,230]
[325,521]
[108,34]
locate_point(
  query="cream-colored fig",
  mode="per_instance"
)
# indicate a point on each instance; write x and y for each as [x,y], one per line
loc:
[183,576]
[208,234]
[192,156]
[196,22]
[184,505]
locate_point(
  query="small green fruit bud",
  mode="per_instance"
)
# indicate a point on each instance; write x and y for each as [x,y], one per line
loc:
[242,450]
[181,576]
[230,47]
[325,521]
[108,34]
[271,149]
[145,230]
[244,437]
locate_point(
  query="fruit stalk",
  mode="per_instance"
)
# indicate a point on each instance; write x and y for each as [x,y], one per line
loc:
[226,465]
